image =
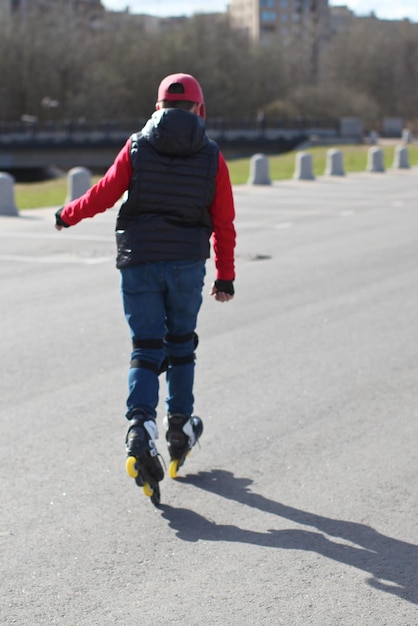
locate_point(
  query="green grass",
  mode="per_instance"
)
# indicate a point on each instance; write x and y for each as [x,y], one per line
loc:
[282,167]
[44,194]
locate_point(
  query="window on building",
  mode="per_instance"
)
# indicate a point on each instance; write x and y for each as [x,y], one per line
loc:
[268,28]
[267,3]
[268,16]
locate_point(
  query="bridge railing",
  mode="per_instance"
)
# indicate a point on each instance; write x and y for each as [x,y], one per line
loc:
[33,132]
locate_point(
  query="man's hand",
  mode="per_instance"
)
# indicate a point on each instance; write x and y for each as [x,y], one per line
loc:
[222,290]
[59,222]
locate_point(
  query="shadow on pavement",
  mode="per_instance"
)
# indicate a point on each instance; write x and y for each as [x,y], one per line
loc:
[391,563]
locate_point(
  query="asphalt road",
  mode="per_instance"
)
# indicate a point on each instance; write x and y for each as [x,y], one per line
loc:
[300,506]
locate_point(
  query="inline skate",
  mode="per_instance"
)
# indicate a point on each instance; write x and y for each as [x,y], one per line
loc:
[182,434]
[142,462]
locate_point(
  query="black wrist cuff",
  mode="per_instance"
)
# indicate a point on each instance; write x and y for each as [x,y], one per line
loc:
[225,286]
[58,219]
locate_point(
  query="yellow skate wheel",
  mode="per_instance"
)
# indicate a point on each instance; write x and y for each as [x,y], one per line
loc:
[173,468]
[131,468]
[148,490]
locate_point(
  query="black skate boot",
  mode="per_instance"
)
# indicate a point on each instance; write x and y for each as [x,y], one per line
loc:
[142,462]
[182,434]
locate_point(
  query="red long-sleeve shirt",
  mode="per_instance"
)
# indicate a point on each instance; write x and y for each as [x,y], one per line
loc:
[109,189]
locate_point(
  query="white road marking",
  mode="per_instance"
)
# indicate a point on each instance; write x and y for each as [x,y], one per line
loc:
[282,225]
[55,259]
[72,237]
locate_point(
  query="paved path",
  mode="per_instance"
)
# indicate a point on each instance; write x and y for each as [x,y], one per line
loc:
[300,507]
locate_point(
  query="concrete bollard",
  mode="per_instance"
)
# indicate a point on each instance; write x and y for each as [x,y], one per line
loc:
[406,136]
[7,196]
[259,170]
[335,165]
[79,181]
[375,160]
[304,169]
[401,158]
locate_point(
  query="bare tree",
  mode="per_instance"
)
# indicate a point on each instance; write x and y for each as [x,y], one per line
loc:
[60,64]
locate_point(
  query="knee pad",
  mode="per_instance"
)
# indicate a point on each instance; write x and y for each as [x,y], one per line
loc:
[146,344]
[183,338]
[181,360]
[177,339]
[144,364]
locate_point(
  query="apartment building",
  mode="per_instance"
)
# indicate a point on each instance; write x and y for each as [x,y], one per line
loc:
[14,6]
[264,20]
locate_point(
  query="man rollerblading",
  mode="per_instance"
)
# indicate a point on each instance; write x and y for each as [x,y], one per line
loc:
[179,203]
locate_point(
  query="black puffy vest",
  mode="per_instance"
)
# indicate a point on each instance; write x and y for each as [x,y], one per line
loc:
[165,216]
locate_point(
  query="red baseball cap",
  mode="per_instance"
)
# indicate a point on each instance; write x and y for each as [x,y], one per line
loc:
[181,87]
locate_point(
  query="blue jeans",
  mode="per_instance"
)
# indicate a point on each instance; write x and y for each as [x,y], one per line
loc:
[161,301]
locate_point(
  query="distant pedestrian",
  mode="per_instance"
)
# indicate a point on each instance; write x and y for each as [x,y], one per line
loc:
[261,121]
[179,196]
